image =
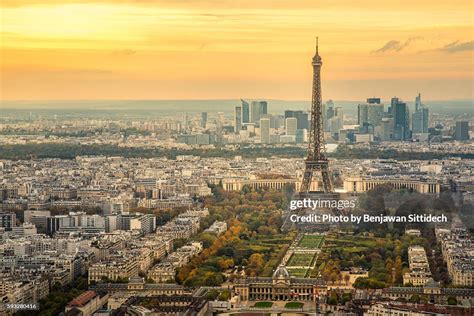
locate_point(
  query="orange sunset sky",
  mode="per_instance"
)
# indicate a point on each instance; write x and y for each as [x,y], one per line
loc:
[210,49]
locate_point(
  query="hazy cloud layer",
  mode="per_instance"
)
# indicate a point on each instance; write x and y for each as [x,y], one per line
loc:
[456,46]
[395,46]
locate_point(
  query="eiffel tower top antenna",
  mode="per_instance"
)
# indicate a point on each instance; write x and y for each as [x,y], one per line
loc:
[316,45]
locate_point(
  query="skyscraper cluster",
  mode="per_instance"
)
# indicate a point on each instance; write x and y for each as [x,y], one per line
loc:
[374,123]
[249,113]
[252,118]
[333,118]
[251,122]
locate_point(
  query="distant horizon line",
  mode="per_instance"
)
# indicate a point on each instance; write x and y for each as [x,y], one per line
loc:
[221,99]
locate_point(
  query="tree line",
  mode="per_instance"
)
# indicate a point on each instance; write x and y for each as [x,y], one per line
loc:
[71,151]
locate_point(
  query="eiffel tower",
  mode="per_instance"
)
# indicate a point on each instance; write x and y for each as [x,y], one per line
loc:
[316,161]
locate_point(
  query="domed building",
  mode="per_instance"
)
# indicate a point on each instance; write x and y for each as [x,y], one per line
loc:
[280,287]
[281,273]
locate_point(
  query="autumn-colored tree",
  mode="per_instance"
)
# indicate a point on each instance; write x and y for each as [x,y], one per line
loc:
[184,273]
[255,265]
[398,270]
[225,264]
[275,220]
[347,278]
[389,266]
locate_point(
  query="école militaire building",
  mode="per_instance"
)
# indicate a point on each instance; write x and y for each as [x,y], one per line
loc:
[280,287]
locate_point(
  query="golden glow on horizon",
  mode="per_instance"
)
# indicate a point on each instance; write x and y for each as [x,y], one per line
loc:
[218,49]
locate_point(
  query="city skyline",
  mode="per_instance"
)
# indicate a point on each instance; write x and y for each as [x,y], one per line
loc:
[214,50]
[209,158]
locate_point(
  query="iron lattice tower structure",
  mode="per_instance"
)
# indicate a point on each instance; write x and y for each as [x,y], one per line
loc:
[316,160]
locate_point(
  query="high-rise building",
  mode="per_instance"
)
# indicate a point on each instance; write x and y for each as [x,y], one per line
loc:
[184,120]
[254,112]
[277,121]
[362,113]
[328,113]
[301,135]
[462,130]
[370,112]
[339,112]
[373,100]
[401,116]
[263,107]
[289,113]
[257,109]
[245,111]
[291,125]
[366,128]
[375,114]
[301,117]
[265,130]
[220,118]
[393,102]
[420,119]
[203,119]
[238,119]
[418,104]
[336,122]
[388,129]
